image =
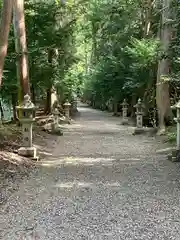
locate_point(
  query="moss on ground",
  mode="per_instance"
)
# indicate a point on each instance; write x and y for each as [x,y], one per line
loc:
[171,134]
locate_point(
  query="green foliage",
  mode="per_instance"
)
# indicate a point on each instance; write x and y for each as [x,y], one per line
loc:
[171,135]
[70,85]
[50,29]
[122,62]
[103,51]
[143,51]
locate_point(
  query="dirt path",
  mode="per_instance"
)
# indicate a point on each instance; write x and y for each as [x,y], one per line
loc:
[97,182]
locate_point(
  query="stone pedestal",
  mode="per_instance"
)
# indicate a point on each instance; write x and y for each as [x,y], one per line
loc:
[27,108]
[53,97]
[56,118]
[124,112]
[55,125]
[67,108]
[28,152]
[74,106]
[27,132]
[175,156]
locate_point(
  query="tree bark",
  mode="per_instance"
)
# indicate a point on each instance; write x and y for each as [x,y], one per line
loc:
[52,55]
[94,57]
[48,101]
[115,108]
[14,103]
[21,46]
[47,109]
[6,16]
[147,17]
[1,111]
[133,102]
[33,94]
[162,88]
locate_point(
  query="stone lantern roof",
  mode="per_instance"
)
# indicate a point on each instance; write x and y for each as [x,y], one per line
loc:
[139,104]
[67,103]
[125,103]
[26,104]
[177,105]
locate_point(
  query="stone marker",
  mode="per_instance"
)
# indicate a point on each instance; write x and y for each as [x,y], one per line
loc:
[124,112]
[74,103]
[55,125]
[27,108]
[53,97]
[56,117]
[139,117]
[175,156]
[67,108]
[75,109]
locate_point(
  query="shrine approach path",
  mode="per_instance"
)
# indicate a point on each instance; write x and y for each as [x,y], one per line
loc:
[97,182]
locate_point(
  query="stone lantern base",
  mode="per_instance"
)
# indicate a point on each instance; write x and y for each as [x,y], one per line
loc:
[146,130]
[56,130]
[138,130]
[125,121]
[174,156]
[30,152]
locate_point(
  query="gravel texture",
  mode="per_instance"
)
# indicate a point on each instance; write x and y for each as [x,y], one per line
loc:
[97,182]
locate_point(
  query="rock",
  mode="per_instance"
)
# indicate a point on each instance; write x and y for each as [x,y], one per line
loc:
[65,120]
[150,131]
[46,120]
[28,152]
[49,128]
[56,131]
[174,156]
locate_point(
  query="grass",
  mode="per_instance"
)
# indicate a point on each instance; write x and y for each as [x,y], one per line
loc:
[13,168]
[171,134]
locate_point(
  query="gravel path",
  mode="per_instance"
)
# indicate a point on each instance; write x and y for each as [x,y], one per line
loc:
[97,182]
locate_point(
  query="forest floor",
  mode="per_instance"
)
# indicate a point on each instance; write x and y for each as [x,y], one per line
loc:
[97,181]
[14,168]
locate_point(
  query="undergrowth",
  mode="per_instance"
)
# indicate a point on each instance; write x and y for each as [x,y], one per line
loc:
[171,134]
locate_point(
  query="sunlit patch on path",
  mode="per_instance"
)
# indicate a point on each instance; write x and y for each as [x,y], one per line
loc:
[97,181]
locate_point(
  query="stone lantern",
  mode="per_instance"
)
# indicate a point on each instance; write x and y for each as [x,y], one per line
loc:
[27,109]
[67,108]
[56,117]
[175,157]
[74,103]
[55,125]
[139,116]
[124,112]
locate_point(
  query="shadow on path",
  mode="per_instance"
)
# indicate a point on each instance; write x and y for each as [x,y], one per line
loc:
[99,182]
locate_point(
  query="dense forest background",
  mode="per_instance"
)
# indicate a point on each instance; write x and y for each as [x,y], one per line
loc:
[103,51]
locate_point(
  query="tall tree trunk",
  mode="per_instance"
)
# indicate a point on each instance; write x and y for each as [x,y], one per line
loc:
[6,15]
[115,106]
[133,102]
[33,97]
[94,56]
[52,56]
[147,7]
[147,17]
[115,109]
[21,46]
[33,93]
[86,57]
[14,103]
[162,88]
[47,109]
[1,111]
